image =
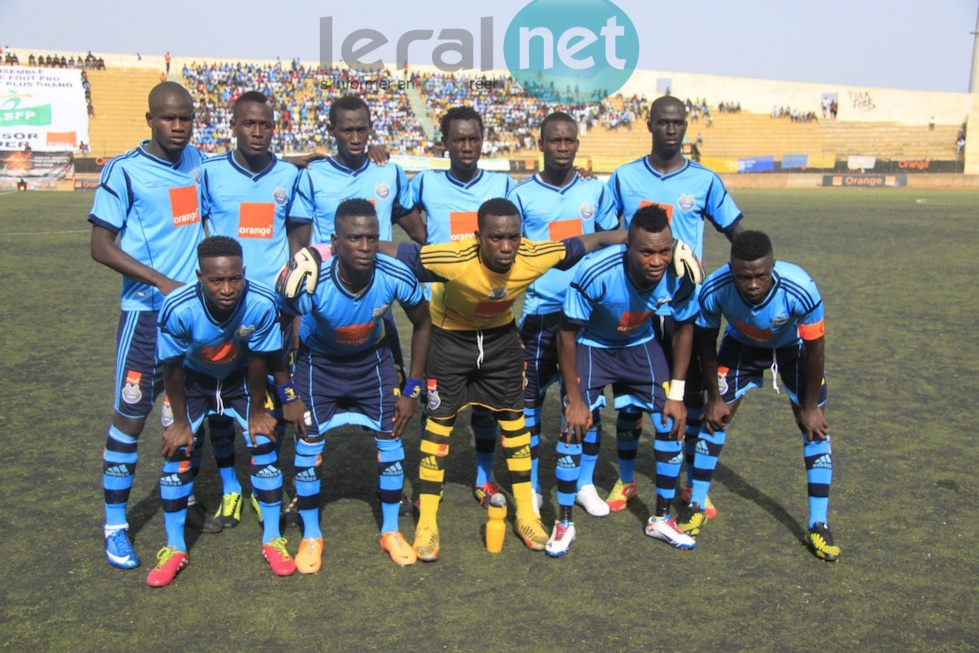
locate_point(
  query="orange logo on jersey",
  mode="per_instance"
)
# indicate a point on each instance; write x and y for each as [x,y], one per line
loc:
[183,206]
[462,224]
[256,219]
[221,354]
[490,310]
[631,321]
[753,332]
[666,207]
[561,229]
[354,335]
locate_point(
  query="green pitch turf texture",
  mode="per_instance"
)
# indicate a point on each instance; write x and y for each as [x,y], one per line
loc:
[896,269]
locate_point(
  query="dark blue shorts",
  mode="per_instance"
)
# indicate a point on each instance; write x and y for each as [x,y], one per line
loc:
[356,390]
[664,326]
[539,336]
[139,376]
[741,367]
[637,375]
[207,396]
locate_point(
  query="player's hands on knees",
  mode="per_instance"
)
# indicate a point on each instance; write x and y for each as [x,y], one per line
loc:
[177,435]
[294,413]
[675,410]
[717,415]
[304,266]
[403,410]
[577,421]
[261,423]
[812,423]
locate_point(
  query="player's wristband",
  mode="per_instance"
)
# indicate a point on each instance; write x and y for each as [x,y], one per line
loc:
[676,390]
[287,392]
[413,388]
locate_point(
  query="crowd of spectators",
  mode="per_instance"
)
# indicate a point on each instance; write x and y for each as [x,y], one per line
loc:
[89,61]
[301,98]
[794,114]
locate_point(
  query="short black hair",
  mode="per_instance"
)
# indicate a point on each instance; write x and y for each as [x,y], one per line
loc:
[348,103]
[751,246]
[662,102]
[459,113]
[651,218]
[495,207]
[354,207]
[557,116]
[246,97]
[218,246]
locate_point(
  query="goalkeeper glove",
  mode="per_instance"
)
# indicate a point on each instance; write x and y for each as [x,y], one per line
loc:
[685,262]
[304,266]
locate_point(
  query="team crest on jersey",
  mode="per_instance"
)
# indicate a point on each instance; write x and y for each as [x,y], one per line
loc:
[197,176]
[586,211]
[280,196]
[497,293]
[380,310]
[244,332]
[665,300]
[131,392]
[779,321]
[686,202]
[382,190]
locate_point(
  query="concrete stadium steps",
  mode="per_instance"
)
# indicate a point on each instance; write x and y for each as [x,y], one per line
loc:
[119,99]
[889,140]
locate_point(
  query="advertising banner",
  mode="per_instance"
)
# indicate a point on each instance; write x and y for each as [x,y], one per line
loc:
[36,166]
[757,164]
[42,108]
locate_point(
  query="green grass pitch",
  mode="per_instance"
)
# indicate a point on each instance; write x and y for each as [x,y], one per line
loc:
[896,269]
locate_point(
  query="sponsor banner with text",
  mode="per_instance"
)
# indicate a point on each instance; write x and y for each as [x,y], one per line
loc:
[865,181]
[43,108]
[36,166]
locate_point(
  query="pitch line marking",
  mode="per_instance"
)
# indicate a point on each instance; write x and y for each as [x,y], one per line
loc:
[45,233]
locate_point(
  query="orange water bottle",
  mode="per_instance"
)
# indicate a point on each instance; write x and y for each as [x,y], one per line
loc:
[496,525]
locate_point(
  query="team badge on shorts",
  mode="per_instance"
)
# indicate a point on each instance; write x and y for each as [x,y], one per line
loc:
[434,401]
[722,384]
[244,332]
[382,190]
[686,202]
[166,415]
[280,196]
[131,392]
[586,211]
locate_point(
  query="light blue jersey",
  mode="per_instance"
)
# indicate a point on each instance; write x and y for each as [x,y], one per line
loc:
[216,348]
[154,207]
[613,311]
[326,183]
[450,205]
[690,196]
[583,206]
[253,208]
[340,323]
[793,309]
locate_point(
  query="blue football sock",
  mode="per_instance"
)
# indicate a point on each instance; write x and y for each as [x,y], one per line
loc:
[307,464]
[485,432]
[819,476]
[118,468]
[390,480]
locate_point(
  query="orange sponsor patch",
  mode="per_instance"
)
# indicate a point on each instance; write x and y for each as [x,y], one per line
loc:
[812,331]
[666,207]
[183,206]
[488,310]
[443,451]
[355,334]
[462,224]
[256,219]
[753,332]
[561,229]
[221,354]
[630,321]
[132,378]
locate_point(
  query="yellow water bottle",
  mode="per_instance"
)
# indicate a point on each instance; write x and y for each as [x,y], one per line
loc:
[496,525]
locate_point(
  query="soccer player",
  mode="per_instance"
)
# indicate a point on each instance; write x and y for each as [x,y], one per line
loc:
[247,194]
[450,199]
[148,199]
[775,320]
[345,369]
[556,204]
[475,356]
[218,340]
[606,337]
[692,196]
